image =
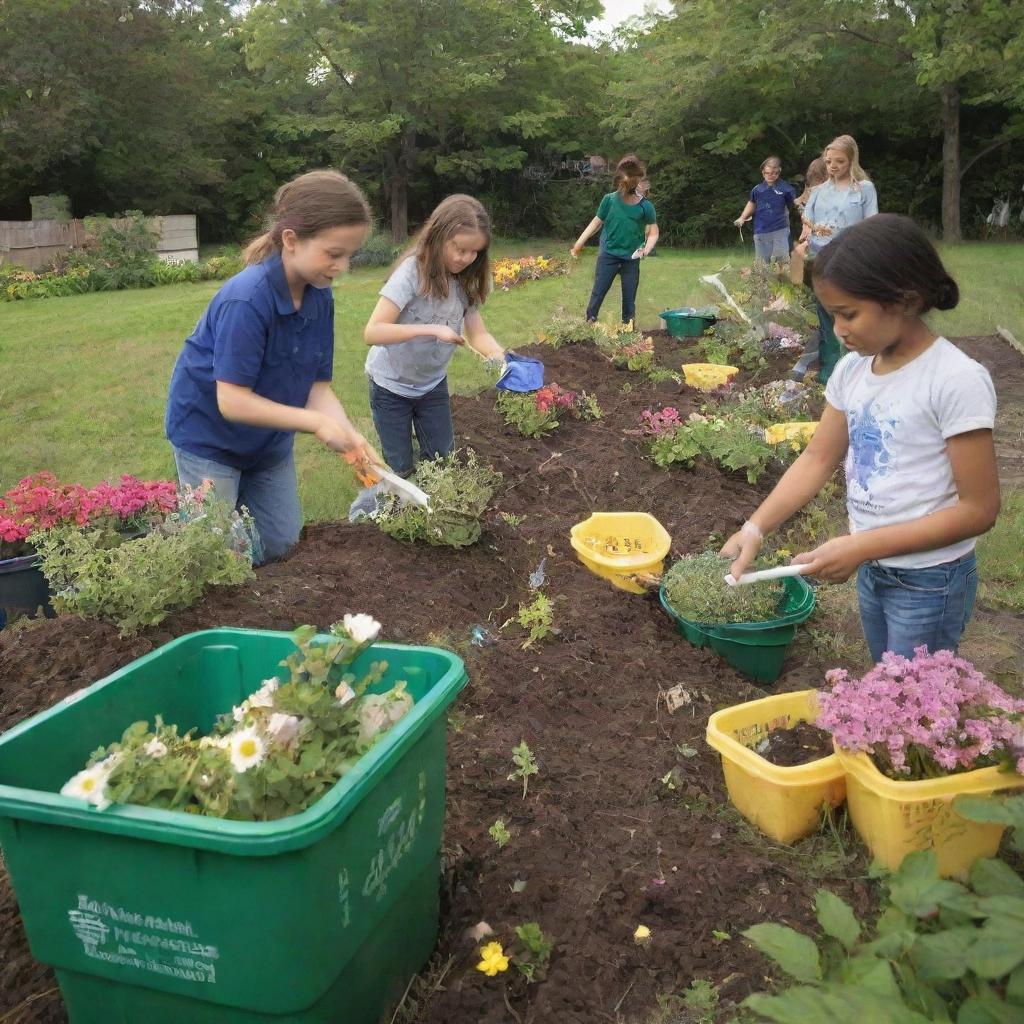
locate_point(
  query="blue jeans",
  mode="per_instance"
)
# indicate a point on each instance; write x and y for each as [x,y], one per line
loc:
[772,245]
[608,266]
[397,418]
[901,609]
[271,495]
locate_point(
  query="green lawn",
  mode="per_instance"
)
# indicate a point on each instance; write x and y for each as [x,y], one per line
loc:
[83,380]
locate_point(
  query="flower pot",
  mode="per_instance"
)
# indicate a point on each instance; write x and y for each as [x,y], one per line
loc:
[757,649]
[896,818]
[686,322]
[161,916]
[784,803]
[708,376]
[23,588]
[620,545]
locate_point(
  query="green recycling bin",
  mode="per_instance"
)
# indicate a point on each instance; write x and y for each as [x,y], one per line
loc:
[163,917]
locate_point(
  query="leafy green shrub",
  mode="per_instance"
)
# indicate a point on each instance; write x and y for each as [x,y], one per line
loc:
[139,582]
[728,442]
[939,951]
[696,589]
[568,329]
[536,413]
[459,492]
[377,251]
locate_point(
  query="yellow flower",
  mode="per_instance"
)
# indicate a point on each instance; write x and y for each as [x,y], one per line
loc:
[492,959]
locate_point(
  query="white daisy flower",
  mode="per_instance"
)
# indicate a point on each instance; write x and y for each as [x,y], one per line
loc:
[155,748]
[264,696]
[344,693]
[283,729]
[363,629]
[90,785]
[247,750]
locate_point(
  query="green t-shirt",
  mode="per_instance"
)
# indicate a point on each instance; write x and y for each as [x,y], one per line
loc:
[624,224]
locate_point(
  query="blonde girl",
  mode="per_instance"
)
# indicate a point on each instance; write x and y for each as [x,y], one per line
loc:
[429,305]
[257,368]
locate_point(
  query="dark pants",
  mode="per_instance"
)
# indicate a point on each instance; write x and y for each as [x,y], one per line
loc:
[829,349]
[608,267]
[397,418]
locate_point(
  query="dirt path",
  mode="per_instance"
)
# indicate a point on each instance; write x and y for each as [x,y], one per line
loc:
[626,822]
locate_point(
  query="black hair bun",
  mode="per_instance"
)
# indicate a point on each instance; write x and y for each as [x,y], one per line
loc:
[947,294]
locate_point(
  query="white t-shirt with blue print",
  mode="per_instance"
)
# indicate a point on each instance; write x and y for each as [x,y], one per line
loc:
[414,368]
[897,466]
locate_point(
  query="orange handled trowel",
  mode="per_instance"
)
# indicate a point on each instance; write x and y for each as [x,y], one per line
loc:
[369,474]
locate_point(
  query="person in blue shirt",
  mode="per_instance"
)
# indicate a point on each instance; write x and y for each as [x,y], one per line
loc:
[258,366]
[770,203]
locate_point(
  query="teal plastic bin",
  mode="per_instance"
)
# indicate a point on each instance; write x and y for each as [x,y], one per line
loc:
[687,322]
[757,649]
[160,917]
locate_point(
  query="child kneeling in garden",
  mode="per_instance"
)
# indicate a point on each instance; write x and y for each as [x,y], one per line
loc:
[913,417]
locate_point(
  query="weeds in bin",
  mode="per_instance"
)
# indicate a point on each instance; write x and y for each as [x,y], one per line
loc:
[526,765]
[537,617]
[695,588]
[500,833]
[535,953]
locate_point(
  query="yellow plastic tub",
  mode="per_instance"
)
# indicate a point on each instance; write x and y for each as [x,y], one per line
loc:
[799,432]
[708,376]
[784,803]
[619,545]
[896,818]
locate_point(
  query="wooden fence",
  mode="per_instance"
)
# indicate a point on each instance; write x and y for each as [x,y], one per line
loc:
[33,243]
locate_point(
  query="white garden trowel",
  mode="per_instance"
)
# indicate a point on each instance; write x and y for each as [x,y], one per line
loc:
[777,573]
[372,474]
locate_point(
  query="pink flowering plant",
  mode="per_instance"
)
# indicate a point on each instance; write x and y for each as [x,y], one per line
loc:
[924,717]
[537,413]
[658,423]
[40,503]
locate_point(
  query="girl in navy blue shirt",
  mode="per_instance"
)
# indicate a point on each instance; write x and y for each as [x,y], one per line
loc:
[258,366]
[770,203]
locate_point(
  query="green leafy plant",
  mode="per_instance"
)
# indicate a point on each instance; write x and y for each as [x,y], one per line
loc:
[526,765]
[534,952]
[537,617]
[459,491]
[536,413]
[939,951]
[512,519]
[730,443]
[377,251]
[566,329]
[696,589]
[499,833]
[138,582]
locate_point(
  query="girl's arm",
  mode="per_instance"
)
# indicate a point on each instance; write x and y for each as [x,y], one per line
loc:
[383,328]
[973,458]
[595,225]
[748,211]
[480,338]
[651,235]
[242,405]
[799,484]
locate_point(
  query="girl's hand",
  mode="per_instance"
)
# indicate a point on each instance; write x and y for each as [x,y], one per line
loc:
[740,221]
[835,561]
[742,547]
[576,250]
[446,334]
[800,249]
[342,437]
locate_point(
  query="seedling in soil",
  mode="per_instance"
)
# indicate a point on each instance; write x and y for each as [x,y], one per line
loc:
[537,617]
[526,765]
[511,519]
[499,833]
[537,950]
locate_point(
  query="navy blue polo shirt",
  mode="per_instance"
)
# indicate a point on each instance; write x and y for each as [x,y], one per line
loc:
[250,335]
[770,202]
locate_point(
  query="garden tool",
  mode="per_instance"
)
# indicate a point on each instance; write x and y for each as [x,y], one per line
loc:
[716,282]
[767,574]
[370,474]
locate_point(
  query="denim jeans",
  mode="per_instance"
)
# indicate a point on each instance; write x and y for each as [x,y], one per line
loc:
[901,609]
[829,349]
[772,245]
[271,495]
[608,266]
[397,418]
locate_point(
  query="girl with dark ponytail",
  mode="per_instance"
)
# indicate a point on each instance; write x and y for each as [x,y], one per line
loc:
[630,231]
[258,366]
[912,416]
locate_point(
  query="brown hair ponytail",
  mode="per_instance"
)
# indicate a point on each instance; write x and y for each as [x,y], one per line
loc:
[629,172]
[309,204]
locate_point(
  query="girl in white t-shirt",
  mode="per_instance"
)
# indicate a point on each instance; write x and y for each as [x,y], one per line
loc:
[913,417]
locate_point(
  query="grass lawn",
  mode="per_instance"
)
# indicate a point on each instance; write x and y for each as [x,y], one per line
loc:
[83,380]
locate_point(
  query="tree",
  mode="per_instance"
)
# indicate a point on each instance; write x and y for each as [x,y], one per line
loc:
[455,86]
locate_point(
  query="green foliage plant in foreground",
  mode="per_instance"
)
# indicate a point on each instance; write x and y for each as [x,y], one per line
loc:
[730,443]
[940,951]
[138,582]
[273,755]
[696,589]
[459,491]
[536,413]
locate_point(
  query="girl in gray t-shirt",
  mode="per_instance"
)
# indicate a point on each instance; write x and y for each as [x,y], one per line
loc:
[430,303]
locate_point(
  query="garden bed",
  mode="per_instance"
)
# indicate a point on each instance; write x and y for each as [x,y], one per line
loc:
[627,822]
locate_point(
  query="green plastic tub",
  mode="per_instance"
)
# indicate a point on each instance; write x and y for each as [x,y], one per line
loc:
[160,917]
[686,322]
[757,649]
